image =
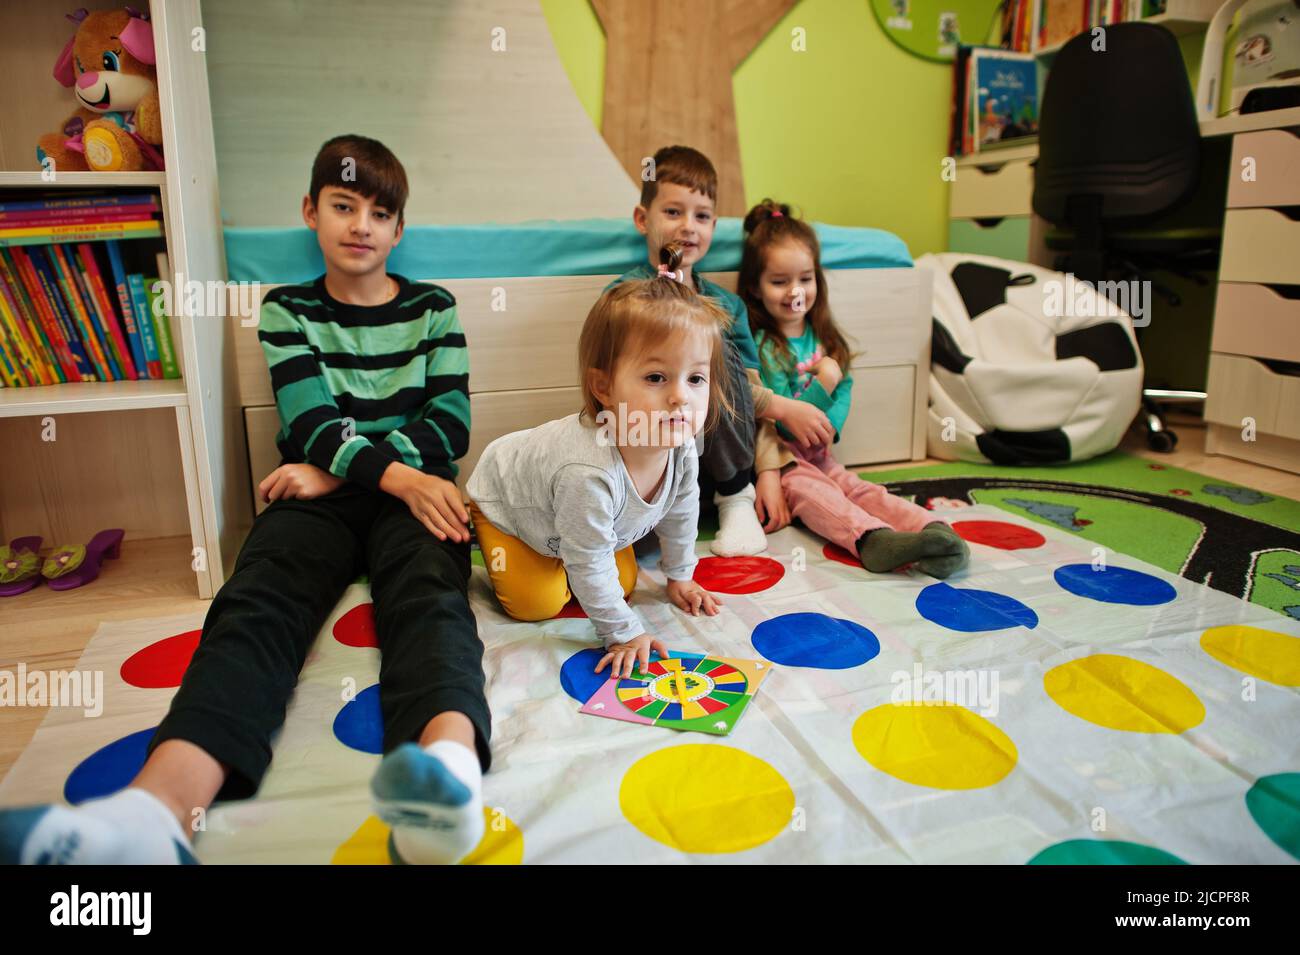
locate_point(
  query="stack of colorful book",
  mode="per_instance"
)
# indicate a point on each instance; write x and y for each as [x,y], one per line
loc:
[1046,24]
[69,309]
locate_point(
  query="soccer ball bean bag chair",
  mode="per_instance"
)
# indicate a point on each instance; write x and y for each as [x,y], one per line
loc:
[1028,366]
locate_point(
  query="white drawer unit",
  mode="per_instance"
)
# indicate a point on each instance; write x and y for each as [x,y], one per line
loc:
[992,189]
[1258,320]
[1264,169]
[1261,245]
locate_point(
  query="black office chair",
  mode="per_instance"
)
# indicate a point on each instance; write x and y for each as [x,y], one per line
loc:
[1119,146]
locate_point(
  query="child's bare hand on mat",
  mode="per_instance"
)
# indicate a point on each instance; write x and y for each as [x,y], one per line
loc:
[691,597]
[434,501]
[301,481]
[829,373]
[769,501]
[625,657]
[808,424]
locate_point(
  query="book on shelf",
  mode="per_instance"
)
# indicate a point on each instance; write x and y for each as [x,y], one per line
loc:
[161,320]
[995,99]
[83,311]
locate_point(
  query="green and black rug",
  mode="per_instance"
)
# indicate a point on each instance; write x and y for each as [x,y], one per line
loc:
[1232,538]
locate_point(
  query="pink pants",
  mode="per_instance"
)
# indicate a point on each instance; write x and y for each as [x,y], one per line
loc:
[840,506]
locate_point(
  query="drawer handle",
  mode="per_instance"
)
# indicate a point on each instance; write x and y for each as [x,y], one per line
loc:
[1290,369]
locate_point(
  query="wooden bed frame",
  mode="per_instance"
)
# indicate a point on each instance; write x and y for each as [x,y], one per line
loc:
[523,365]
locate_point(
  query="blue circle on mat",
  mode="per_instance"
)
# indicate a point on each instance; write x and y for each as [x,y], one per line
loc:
[360,724]
[578,675]
[108,768]
[972,611]
[815,640]
[1115,585]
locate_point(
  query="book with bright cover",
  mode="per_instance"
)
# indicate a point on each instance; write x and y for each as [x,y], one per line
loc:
[163,321]
[129,319]
[1004,96]
[8,373]
[94,310]
[41,276]
[21,349]
[138,210]
[49,235]
[9,369]
[108,310]
[35,304]
[162,328]
[80,202]
[140,301]
[76,308]
[12,289]
[38,220]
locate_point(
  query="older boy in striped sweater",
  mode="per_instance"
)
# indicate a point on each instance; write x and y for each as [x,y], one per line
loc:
[371,381]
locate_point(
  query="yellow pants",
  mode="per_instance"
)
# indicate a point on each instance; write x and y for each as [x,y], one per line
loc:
[529,585]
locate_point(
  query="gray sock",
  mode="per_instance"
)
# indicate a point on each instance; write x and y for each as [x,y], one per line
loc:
[950,553]
[885,549]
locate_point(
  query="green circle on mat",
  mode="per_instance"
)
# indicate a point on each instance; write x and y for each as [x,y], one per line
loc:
[1274,804]
[1104,852]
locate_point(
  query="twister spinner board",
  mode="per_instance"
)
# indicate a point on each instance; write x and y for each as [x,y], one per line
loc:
[686,691]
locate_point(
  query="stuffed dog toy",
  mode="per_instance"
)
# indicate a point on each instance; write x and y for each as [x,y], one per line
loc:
[109,63]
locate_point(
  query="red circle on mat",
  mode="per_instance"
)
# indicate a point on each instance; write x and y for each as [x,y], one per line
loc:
[836,552]
[738,575]
[161,664]
[356,628]
[1000,534]
[572,609]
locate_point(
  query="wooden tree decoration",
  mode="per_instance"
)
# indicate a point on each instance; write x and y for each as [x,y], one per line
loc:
[668,70]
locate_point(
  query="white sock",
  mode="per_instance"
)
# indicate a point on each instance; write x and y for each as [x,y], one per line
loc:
[129,827]
[433,800]
[739,532]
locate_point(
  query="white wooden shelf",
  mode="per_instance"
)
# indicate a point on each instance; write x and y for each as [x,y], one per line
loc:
[995,155]
[79,397]
[168,462]
[1239,123]
[82,180]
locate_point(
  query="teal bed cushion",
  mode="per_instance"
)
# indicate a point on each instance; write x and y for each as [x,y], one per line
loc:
[546,247]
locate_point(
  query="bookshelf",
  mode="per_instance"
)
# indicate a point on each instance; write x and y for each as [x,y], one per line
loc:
[1180,18]
[162,458]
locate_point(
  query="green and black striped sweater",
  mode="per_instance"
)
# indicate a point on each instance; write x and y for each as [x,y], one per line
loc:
[359,387]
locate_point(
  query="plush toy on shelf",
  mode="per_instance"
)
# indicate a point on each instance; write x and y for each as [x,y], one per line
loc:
[109,63]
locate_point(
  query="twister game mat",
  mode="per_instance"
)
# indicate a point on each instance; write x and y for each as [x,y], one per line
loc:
[1057,701]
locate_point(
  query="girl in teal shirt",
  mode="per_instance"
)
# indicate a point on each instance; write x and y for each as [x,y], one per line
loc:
[804,355]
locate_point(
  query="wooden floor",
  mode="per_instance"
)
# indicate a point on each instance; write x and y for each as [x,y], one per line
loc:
[48,630]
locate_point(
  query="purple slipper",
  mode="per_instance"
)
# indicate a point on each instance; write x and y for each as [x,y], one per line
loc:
[12,561]
[69,567]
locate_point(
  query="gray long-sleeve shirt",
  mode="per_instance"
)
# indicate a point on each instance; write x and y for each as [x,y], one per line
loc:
[562,492]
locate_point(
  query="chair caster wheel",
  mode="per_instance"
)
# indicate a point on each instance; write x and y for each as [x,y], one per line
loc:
[1162,441]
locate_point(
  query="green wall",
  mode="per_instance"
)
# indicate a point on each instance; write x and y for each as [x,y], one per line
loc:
[852,131]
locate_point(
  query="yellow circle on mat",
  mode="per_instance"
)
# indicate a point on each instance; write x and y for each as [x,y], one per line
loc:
[701,798]
[1267,654]
[1121,693]
[941,745]
[502,843]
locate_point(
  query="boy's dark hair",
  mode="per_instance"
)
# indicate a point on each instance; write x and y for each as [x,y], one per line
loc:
[374,171]
[684,166]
